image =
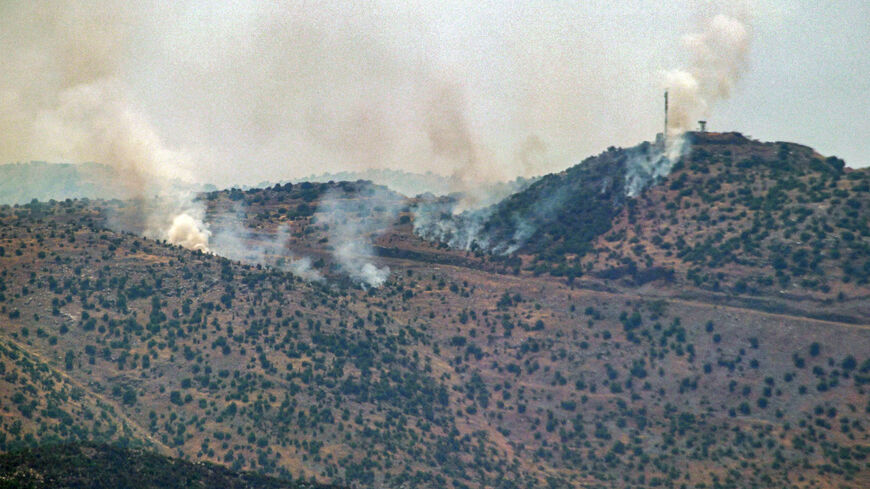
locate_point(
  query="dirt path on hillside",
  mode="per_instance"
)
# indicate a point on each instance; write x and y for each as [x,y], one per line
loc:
[119,412]
[556,286]
[766,314]
[723,307]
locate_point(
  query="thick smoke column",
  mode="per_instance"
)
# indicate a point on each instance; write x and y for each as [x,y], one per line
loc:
[61,97]
[186,232]
[719,53]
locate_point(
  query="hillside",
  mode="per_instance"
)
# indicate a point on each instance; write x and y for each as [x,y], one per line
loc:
[558,215]
[99,466]
[412,184]
[751,218]
[458,371]
[734,215]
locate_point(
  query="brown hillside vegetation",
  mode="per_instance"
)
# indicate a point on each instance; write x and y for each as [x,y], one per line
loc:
[750,218]
[463,369]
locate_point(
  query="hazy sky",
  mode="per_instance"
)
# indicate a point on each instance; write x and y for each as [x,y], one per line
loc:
[239,92]
[809,79]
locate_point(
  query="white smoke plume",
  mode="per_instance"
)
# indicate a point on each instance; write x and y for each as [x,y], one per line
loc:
[234,240]
[304,269]
[61,98]
[187,232]
[437,219]
[719,53]
[354,221]
[649,163]
[459,219]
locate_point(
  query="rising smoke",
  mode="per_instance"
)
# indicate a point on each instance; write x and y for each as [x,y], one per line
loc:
[199,90]
[61,98]
[719,52]
[645,167]
[354,220]
[235,240]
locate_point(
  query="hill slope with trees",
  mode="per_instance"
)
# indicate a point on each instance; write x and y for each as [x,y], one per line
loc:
[457,371]
[103,466]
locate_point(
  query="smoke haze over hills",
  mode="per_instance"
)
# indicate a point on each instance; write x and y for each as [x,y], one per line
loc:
[487,91]
[459,297]
[239,93]
[200,91]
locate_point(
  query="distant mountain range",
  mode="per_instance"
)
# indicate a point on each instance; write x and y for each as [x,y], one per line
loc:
[413,184]
[406,183]
[20,183]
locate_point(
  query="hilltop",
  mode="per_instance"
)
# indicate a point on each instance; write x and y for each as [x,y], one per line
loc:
[465,367]
[726,215]
[749,217]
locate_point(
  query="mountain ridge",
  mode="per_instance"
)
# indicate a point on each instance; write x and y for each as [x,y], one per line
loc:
[570,230]
[463,368]
[21,183]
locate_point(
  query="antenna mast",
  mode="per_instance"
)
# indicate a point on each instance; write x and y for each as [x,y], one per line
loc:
[665,134]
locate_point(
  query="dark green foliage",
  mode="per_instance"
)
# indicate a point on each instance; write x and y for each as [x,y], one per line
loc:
[562,213]
[99,466]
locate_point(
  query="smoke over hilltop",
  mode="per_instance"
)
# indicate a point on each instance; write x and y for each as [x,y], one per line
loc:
[249,90]
[719,53]
[199,89]
[62,97]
